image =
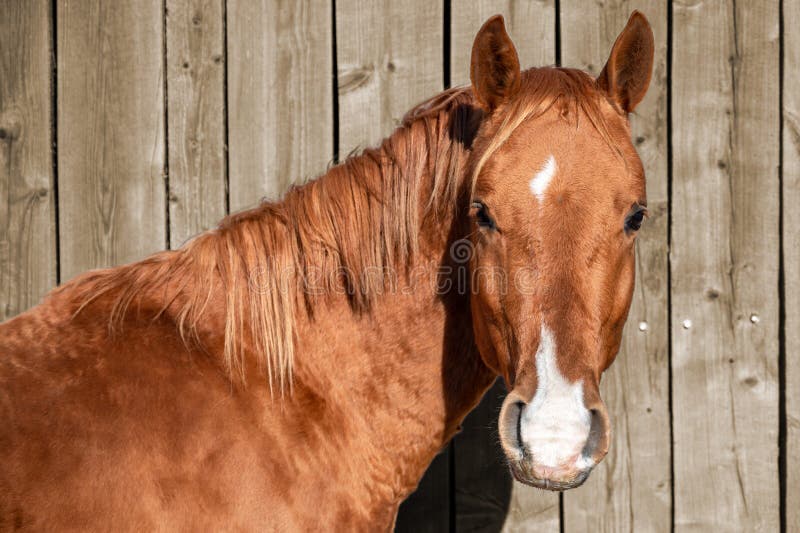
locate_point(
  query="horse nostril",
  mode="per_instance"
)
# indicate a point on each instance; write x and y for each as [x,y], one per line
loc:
[520,406]
[597,441]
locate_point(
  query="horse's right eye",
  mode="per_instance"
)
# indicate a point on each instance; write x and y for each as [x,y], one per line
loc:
[482,216]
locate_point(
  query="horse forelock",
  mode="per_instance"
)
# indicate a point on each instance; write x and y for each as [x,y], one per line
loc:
[573,91]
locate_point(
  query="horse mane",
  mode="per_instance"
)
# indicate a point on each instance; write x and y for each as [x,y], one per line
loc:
[344,230]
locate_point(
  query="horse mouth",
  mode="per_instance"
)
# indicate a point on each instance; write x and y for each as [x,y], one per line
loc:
[522,473]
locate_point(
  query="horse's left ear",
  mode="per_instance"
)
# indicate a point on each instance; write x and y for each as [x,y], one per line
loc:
[494,68]
[626,76]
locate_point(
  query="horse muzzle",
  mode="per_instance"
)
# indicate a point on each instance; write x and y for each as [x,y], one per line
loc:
[554,442]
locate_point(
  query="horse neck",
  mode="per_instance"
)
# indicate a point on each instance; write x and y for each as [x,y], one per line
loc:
[385,369]
[404,370]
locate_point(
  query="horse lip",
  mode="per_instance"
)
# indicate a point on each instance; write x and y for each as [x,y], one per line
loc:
[557,486]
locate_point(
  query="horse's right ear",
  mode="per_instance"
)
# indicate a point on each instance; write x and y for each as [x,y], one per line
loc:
[494,69]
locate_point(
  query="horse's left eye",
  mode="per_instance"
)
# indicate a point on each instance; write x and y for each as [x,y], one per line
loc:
[634,219]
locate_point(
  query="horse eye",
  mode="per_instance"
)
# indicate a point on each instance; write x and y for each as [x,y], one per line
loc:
[482,215]
[634,220]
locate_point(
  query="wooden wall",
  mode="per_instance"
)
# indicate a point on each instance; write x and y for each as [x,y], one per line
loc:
[127,127]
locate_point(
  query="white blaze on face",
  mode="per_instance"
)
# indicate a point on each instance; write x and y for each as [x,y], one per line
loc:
[555,425]
[542,178]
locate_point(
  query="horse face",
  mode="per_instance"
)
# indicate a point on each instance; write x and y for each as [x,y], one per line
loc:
[556,206]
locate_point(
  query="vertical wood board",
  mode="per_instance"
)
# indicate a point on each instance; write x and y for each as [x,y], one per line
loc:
[531,26]
[389,58]
[111,132]
[630,489]
[791,254]
[195,116]
[724,265]
[27,201]
[280,96]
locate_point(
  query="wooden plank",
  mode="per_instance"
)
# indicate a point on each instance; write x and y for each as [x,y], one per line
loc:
[111,132]
[195,116]
[427,509]
[630,489]
[483,483]
[389,58]
[531,25]
[725,265]
[280,96]
[791,254]
[486,496]
[27,211]
[481,479]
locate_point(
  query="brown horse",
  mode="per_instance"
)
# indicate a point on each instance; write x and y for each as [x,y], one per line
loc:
[298,367]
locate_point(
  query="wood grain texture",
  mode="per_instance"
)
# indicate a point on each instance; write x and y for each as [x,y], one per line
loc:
[27,206]
[531,24]
[111,132]
[725,138]
[389,57]
[113,206]
[279,94]
[630,489]
[791,254]
[480,490]
[195,116]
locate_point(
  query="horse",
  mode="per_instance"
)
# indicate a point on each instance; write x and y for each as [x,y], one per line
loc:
[300,365]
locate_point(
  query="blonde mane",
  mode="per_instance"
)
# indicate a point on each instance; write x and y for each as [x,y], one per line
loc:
[362,217]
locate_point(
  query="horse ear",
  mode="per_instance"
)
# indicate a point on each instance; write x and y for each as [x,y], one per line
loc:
[626,76]
[494,69]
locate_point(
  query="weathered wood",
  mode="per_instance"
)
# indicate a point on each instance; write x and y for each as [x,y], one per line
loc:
[725,265]
[531,24]
[279,94]
[531,510]
[111,132]
[479,490]
[483,482]
[791,253]
[113,206]
[195,116]
[427,509]
[487,498]
[389,58]
[630,489]
[27,209]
